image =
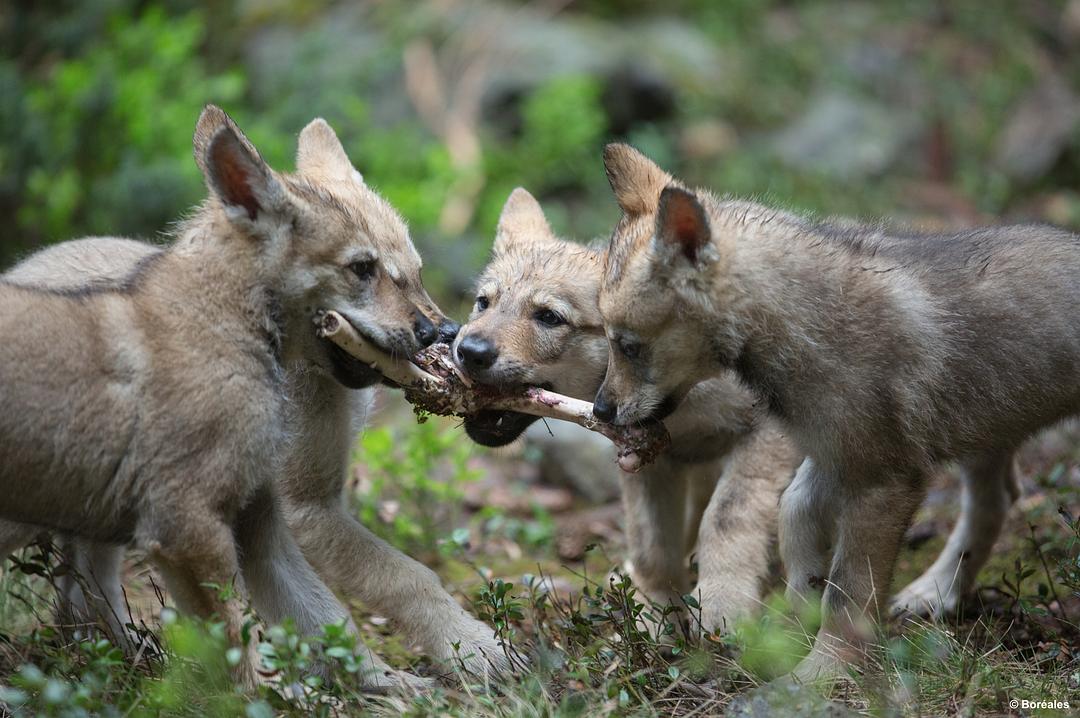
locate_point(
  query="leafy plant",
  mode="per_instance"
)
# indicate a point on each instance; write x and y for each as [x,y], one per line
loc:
[412,489]
[108,133]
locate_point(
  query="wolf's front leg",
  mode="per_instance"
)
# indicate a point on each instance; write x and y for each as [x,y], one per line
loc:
[806,528]
[869,529]
[196,554]
[365,567]
[739,527]
[989,489]
[284,585]
[655,505]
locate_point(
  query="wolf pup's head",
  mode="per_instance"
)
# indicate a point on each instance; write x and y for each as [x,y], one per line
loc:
[334,243]
[656,295]
[536,319]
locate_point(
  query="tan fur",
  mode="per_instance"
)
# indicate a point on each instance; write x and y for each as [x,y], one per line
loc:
[671,506]
[883,353]
[153,408]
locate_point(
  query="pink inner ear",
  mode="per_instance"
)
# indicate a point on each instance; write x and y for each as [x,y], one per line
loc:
[234,177]
[685,223]
[687,230]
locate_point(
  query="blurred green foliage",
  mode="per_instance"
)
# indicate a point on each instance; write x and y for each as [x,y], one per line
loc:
[99,101]
[412,486]
[129,168]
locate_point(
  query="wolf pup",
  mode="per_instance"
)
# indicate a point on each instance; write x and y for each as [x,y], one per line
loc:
[92,591]
[536,321]
[152,410]
[323,420]
[883,354]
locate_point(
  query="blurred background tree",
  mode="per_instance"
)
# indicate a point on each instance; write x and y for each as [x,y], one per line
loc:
[934,113]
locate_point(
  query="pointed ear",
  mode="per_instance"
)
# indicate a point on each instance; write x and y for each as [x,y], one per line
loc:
[636,180]
[238,177]
[319,153]
[212,119]
[522,220]
[681,223]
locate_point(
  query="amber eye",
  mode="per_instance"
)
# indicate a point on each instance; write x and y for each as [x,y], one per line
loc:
[549,318]
[482,303]
[364,269]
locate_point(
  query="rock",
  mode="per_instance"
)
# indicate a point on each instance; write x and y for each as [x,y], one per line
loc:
[512,497]
[576,458]
[1040,128]
[634,95]
[576,530]
[707,138]
[641,66]
[785,699]
[846,137]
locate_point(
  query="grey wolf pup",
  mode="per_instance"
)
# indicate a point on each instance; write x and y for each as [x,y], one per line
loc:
[154,409]
[324,417]
[536,321]
[882,353]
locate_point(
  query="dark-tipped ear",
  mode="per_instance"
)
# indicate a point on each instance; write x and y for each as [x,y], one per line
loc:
[240,179]
[211,120]
[319,154]
[681,222]
[636,180]
[522,220]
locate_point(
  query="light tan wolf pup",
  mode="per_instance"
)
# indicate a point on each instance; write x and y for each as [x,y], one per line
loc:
[537,321]
[153,409]
[323,419]
[883,354]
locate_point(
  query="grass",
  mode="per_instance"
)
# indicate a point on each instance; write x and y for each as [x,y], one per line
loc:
[581,622]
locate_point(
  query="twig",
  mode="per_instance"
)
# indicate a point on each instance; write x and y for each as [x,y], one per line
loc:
[433,383]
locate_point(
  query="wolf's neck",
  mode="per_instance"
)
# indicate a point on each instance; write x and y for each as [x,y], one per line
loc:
[810,320]
[230,281]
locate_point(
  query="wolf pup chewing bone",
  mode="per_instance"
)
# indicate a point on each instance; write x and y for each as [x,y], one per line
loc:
[322,422]
[536,321]
[882,353]
[152,409]
[433,383]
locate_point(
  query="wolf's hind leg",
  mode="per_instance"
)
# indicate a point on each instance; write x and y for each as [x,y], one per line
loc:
[989,489]
[94,590]
[869,529]
[806,528]
[14,536]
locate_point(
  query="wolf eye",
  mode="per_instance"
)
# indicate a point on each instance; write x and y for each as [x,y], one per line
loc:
[363,268]
[629,349]
[549,318]
[482,303]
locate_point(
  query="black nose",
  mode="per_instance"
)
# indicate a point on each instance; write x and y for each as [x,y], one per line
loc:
[603,408]
[448,330]
[476,352]
[425,331]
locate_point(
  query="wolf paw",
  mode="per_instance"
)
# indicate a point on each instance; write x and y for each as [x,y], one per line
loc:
[476,651]
[820,667]
[928,597]
[383,679]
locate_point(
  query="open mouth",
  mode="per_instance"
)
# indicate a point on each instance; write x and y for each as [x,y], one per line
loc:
[494,428]
[349,371]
